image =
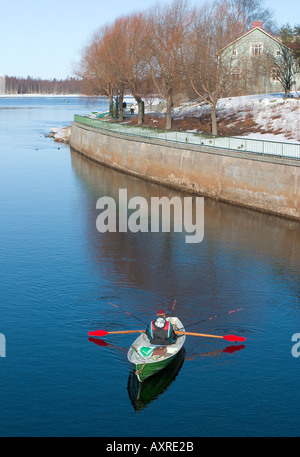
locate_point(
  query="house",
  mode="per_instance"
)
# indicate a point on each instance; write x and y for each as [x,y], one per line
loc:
[255,63]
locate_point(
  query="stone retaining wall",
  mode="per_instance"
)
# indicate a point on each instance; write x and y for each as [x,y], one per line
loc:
[267,184]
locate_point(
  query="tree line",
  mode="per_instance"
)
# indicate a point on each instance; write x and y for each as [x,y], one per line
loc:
[29,85]
[172,50]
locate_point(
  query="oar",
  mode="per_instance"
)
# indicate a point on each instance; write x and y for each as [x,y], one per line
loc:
[231,338]
[103,332]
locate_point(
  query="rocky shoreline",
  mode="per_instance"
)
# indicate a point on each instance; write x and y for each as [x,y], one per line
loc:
[60,135]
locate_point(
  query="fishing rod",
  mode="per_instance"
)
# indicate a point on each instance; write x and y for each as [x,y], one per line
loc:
[214,317]
[174,305]
[130,314]
[186,326]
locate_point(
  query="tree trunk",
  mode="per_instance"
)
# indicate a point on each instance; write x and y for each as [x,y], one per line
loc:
[214,126]
[110,98]
[140,118]
[140,113]
[169,112]
[121,109]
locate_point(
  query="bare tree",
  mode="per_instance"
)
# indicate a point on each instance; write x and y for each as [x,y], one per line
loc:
[96,67]
[254,10]
[215,26]
[283,67]
[168,27]
[133,55]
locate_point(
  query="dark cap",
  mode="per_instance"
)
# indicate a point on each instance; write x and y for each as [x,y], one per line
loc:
[160,312]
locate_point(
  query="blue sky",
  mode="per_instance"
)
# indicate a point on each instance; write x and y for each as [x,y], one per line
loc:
[44,40]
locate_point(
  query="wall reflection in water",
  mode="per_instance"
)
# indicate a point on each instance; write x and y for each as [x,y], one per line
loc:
[241,257]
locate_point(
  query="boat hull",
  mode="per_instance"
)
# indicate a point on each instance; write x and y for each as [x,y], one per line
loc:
[144,370]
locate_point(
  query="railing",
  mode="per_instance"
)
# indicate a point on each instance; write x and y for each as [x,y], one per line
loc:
[246,145]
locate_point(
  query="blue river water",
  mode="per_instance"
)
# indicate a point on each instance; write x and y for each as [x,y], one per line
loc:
[60,277]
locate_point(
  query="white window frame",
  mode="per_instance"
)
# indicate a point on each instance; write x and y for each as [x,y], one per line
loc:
[258,46]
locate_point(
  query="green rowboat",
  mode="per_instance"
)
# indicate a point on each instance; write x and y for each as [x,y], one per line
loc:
[142,353]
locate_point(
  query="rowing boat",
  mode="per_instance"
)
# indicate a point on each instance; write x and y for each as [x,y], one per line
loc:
[149,359]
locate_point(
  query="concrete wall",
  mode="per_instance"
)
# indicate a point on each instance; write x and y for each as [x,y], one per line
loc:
[267,184]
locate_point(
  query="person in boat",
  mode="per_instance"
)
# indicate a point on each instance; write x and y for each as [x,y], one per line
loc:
[160,331]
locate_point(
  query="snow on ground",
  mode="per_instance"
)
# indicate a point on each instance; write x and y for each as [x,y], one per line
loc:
[277,118]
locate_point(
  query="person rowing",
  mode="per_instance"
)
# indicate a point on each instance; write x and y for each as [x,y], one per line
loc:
[160,331]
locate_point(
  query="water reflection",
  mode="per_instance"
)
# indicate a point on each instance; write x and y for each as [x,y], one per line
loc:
[227,350]
[143,393]
[241,257]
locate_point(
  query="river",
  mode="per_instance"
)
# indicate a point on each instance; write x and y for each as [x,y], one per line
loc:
[60,277]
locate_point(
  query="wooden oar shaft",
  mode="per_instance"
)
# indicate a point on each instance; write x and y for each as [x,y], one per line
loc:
[198,334]
[177,333]
[129,331]
[225,337]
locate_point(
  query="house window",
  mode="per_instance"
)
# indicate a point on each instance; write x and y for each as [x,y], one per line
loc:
[235,74]
[278,53]
[234,52]
[256,49]
[275,74]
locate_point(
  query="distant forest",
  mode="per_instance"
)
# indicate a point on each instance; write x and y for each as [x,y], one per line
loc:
[29,85]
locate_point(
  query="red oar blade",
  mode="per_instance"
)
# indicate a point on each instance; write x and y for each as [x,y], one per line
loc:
[98,333]
[234,338]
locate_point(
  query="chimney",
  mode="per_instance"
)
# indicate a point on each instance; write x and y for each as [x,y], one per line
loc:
[255,24]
